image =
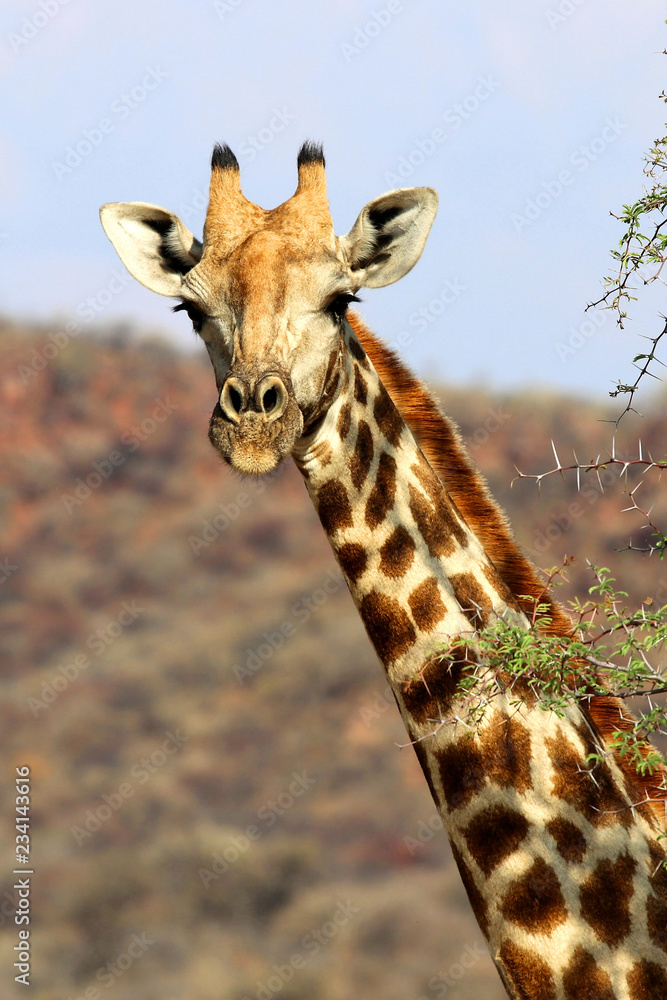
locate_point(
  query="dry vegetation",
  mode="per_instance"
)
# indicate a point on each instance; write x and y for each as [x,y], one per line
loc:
[214,690]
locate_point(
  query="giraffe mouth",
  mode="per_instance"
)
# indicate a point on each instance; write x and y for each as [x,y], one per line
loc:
[253,446]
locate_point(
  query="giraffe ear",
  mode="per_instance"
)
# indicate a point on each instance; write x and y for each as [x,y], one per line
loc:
[387,239]
[153,243]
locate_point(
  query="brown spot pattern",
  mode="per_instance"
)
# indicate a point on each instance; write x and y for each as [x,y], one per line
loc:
[494,834]
[528,974]
[658,855]
[605,899]
[360,387]
[596,799]
[382,496]
[397,554]
[429,696]
[656,920]
[462,771]
[506,746]
[475,602]
[422,757]
[442,502]
[658,876]
[333,506]
[322,453]
[387,416]
[426,605]
[432,528]
[535,901]
[570,841]
[330,394]
[618,794]
[362,455]
[358,353]
[330,383]
[344,420]
[647,981]
[584,978]
[656,904]
[353,560]
[477,901]
[388,626]
[334,354]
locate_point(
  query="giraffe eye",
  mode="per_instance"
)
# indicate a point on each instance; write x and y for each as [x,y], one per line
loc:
[338,306]
[195,315]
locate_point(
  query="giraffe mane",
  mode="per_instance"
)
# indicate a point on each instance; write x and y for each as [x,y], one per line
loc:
[440,441]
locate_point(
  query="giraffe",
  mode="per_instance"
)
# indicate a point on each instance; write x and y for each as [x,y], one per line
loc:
[561,860]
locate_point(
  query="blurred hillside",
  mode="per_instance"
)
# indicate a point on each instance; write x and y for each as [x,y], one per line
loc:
[219,806]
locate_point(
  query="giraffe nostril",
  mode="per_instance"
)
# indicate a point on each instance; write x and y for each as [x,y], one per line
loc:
[269,400]
[235,399]
[272,397]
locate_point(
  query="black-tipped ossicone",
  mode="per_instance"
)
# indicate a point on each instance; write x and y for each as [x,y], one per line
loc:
[223,158]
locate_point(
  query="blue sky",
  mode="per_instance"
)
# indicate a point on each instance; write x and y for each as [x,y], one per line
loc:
[530,118]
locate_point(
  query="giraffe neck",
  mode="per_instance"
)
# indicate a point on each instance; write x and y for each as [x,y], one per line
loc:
[563,874]
[415,570]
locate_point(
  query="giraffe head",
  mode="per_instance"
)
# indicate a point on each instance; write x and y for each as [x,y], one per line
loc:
[267,291]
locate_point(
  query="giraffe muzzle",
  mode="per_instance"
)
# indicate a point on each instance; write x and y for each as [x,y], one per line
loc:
[257,420]
[269,397]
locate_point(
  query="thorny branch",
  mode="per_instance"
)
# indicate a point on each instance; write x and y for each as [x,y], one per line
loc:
[593,466]
[622,388]
[660,545]
[624,465]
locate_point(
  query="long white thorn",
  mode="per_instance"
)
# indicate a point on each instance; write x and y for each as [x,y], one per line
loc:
[555,453]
